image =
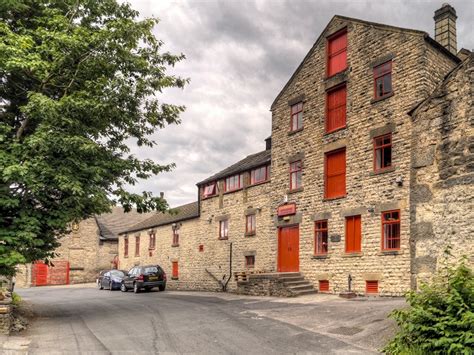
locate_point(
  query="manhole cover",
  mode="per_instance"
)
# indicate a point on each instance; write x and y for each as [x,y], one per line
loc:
[345,330]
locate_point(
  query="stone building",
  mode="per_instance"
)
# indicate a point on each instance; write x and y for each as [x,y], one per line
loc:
[367,176]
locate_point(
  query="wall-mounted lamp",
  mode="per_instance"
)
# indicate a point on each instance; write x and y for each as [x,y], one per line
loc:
[399,180]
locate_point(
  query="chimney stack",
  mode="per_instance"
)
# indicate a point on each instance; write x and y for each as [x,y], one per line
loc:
[445,27]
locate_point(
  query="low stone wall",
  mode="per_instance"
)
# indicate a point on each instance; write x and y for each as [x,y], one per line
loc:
[263,285]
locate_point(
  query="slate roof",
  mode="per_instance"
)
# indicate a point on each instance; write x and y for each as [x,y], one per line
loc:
[180,213]
[111,224]
[250,162]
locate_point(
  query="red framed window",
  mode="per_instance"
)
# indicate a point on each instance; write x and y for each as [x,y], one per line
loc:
[137,245]
[336,108]
[125,247]
[250,224]
[353,234]
[175,270]
[296,175]
[296,117]
[337,53]
[259,175]
[321,237]
[233,183]
[152,241]
[209,190]
[335,174]
[250,261]
[383,152]
[391,230]
[383,80]
[224,229]
[371,286]
[323,285]
[175,237]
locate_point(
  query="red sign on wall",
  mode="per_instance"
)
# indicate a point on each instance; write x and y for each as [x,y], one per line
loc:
[286,210]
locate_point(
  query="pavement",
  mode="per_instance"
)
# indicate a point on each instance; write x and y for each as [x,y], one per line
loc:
[84,320]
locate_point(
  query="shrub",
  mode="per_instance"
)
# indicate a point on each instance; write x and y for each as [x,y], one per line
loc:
[440,319]
[16,299]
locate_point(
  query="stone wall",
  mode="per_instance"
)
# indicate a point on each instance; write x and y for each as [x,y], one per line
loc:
[442,196]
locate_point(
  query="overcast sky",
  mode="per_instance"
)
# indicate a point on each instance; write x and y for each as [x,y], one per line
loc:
[239,55]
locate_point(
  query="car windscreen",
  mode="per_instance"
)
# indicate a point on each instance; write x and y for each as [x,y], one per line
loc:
[151,270]
[117,273]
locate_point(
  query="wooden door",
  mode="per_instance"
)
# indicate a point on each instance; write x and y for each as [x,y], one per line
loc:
[289,249]
[41,274]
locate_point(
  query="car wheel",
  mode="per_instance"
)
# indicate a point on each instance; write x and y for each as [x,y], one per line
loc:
[99,286]
[136,289]
[123,288]
[162,287]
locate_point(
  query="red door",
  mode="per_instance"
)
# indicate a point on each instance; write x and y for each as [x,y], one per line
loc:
[41,274]
[289,249]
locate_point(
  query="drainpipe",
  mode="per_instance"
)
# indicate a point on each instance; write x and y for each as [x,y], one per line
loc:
[224,285]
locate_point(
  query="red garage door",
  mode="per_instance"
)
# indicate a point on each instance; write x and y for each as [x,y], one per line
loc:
[55,274]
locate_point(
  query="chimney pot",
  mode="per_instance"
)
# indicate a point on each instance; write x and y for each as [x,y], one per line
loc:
[445,27]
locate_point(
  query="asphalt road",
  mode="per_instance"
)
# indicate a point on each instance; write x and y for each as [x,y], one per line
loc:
[89,321]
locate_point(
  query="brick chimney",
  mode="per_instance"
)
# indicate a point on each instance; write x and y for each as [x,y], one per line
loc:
[445,27]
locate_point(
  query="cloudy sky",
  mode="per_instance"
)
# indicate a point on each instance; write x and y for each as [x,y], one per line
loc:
[239,54]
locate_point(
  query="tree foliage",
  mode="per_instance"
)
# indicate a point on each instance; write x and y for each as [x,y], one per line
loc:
[440,319]
[79,81]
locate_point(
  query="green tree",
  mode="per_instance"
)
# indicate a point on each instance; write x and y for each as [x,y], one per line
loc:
[79,81]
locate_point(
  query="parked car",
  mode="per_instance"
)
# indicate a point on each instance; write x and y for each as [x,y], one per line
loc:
[112,279]
[98,281]
[144,277]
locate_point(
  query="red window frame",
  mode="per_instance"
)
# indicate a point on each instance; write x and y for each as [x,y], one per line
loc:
[323,285]
[137,245]
[381,145]
[250,261]
[125,247]
[233,182]
[336,50]
[250,224]
[296,175]
[209,190]
[383,80]
[224,229]
[371,286]
[321,237]
[334,175]
[175,237]
[175,270]
[391,230]
[260,175]
[353,234]
[152,241]
[296,119]
[336,102]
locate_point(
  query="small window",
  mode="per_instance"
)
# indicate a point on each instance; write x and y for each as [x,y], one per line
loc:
[321,237]
[250,225]
[259,175]
[250,261]
[152,242]
[296,117]
[296,175]
[224,229]
[391,230]
[336,109]
[353,234]
[209,190]
[201,248]
[383,80]
[323,285]
[175,237]
[234,182]
[175,271]
[335,174]
[125,247]
[337,53]
[137,245]
[383,152]
[371,286]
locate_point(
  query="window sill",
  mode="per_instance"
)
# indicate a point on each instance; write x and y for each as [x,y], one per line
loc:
[290,133]
[326,199]
[343,72]
[174,278]
[151,248]
[390,169]
[231,191]
[389,252]
[320,257]
[357,254]
[250,234]
[208,197]
[299,189]
[226,238]
[174,245]
[334,130]
[373,101]
[259,183]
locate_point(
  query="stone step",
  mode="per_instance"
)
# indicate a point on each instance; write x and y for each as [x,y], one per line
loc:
[296,282]
[291,278]
[304,292]
[303,287]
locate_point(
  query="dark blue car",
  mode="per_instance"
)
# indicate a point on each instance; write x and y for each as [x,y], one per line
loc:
[111,280]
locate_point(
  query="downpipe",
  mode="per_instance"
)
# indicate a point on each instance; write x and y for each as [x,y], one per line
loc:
[224,284]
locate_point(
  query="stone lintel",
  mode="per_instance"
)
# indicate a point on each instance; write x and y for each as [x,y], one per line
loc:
[296,157]
[387,206]
[336,80]
[380,131]
[320,216]
[353,211]
[222,217]
[372,276]
[250,253]
[340,143]
[323,276]
[250,211]
[292,220]
[381,60]
[296,99]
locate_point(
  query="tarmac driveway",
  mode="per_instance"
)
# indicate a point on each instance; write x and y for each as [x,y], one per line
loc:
[85,320]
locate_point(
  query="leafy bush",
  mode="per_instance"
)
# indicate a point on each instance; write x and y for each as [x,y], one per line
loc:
[440,319]
[16,299]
